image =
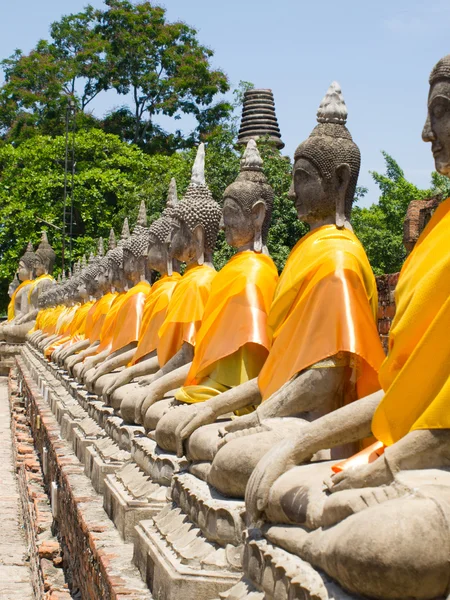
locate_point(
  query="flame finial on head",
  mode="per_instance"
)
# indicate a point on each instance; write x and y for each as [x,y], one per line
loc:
[332,109]
[112,239]
[100,248]
[198,169]
[172,194]
[251,159]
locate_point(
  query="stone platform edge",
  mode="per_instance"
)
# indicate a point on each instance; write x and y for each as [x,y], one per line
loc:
[101,563]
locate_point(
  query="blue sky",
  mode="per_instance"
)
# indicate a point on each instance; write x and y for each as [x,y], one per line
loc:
[380,52]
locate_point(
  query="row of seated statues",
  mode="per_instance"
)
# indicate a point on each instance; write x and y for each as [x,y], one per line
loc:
[275,389]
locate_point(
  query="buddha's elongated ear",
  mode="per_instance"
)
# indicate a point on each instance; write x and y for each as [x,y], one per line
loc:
[199,237]
[259,214]
[343,175]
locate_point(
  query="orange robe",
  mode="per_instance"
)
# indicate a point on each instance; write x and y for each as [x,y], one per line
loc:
[185,311]
[97,315]
[325,303]
[235,316]
[108,327]
[76,329]
[11,307]
[155,311]
[129,317]
[416,372]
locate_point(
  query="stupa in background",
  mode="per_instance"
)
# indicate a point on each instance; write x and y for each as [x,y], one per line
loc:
[259,118]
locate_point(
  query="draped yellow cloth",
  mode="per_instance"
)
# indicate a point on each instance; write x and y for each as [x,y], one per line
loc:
[108,328]
[185,311]
[97,315]
[11,307]
[50,318]
[76,328]
[129,318]
[36,282]
[155,311]
[416,372]
[232,343]
[325,303]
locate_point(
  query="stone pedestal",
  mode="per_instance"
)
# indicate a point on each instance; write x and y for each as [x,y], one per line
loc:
[103,458]
[193,547]
[130,496]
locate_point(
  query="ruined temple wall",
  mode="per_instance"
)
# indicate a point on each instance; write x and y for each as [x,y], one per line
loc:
[386,285]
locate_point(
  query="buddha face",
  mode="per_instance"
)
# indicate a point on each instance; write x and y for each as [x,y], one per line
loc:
[23,271]
[133,266]
[182,244]
[238,225]
[157,256]
[115,276]
[101,279]
[437,125]
[82,290]
[313,196]
[39,267]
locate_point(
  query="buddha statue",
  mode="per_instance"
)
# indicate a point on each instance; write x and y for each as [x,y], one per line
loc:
[95,293]
[104,285]
[379,525]
[155,308]
[129,317]
[325,350]
[97,352]
[82,320]
[43,267]
[239,302]
[193,234]
[20,304]
[73,296]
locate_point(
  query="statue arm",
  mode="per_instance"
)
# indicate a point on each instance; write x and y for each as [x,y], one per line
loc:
[119,359]
[345,425]
[157,389]
[418,450]
[74,348]
[306,392]
[181,358]
[146,367]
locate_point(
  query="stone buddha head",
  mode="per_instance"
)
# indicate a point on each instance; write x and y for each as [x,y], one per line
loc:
[437,124]
[247,204]
[158,258]
[45,257]
[196,219]
[326,166]
[116,275]
[13,285]
[135,249]
[101,277]
[26,264]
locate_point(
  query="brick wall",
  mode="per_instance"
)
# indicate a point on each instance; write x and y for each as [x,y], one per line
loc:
[386,285]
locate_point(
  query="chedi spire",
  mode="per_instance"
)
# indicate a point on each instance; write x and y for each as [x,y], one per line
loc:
[259,119]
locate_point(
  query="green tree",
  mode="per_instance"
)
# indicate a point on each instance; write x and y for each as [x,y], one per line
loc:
[162,65]
[380,226]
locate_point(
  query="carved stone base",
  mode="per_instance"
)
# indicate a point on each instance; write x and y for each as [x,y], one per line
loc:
[158,464]
[85,433]
[103,458]
[130,496]
[271,572]
[192,549]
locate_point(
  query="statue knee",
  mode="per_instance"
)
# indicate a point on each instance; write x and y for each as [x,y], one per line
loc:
[166,427]
[156,412]
[398,549]
[127,408]
[232,467]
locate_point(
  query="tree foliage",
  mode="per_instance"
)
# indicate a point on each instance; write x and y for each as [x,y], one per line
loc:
[380,227]
[111,178]
[131,48]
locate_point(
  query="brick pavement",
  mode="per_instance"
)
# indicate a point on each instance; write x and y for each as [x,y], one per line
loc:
[15,575]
